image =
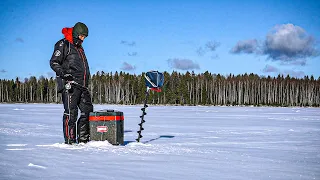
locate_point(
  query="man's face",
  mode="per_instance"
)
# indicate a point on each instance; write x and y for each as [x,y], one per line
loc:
[82,37]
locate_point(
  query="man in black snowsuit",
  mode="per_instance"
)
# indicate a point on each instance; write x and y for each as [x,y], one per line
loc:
[71,67]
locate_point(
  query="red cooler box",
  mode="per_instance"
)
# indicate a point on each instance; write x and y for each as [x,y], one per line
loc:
[107,125]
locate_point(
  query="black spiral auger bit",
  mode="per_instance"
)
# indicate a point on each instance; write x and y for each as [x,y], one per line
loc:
[154,81]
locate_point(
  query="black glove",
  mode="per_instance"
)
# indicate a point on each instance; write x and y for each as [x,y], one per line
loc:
[67,77]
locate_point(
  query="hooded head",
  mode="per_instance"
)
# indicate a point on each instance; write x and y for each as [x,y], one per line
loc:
[72,34]
[80,29]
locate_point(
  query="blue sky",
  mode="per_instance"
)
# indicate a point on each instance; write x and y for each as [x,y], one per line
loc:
[261,37]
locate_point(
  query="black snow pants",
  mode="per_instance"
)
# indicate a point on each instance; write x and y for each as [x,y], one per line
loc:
[76,130]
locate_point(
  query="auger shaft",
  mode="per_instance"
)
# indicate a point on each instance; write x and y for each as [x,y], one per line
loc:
[142,115]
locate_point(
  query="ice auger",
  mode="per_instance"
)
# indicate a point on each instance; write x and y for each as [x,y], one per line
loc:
[154,81]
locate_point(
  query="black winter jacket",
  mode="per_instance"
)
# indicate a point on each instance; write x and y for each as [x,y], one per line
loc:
[70,59]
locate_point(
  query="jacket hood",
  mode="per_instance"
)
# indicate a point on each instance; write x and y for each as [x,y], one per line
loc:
[67,32]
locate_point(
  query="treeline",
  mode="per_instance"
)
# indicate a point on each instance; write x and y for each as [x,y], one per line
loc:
[179,89]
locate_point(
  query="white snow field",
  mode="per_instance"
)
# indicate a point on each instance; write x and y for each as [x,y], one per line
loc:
[181,143]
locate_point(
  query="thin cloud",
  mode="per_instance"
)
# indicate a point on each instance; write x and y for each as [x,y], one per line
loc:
[248,46]
[183,64]
[19,40]
[270,69]
[212,45]
[292,73]
[127,67]
[133,54]
[209,46]
[295,63]
[3,71]
[200,51]
[133,43]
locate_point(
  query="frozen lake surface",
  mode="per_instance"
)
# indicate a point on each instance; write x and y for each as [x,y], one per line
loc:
[202,143]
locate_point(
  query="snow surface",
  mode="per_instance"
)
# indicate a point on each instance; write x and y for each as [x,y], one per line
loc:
[179,143]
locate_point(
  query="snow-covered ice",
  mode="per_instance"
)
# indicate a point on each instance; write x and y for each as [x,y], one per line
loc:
[184,143]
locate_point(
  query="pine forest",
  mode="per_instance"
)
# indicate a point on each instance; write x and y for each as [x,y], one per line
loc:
[179,89]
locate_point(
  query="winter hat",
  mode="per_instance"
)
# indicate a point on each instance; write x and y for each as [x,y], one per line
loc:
[80,29]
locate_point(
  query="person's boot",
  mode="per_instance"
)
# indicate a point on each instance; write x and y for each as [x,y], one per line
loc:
[70,141]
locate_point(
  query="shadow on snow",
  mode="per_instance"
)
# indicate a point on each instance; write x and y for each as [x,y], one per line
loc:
[145,142]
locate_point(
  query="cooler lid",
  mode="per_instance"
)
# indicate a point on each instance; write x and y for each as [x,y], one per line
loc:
[106,112]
